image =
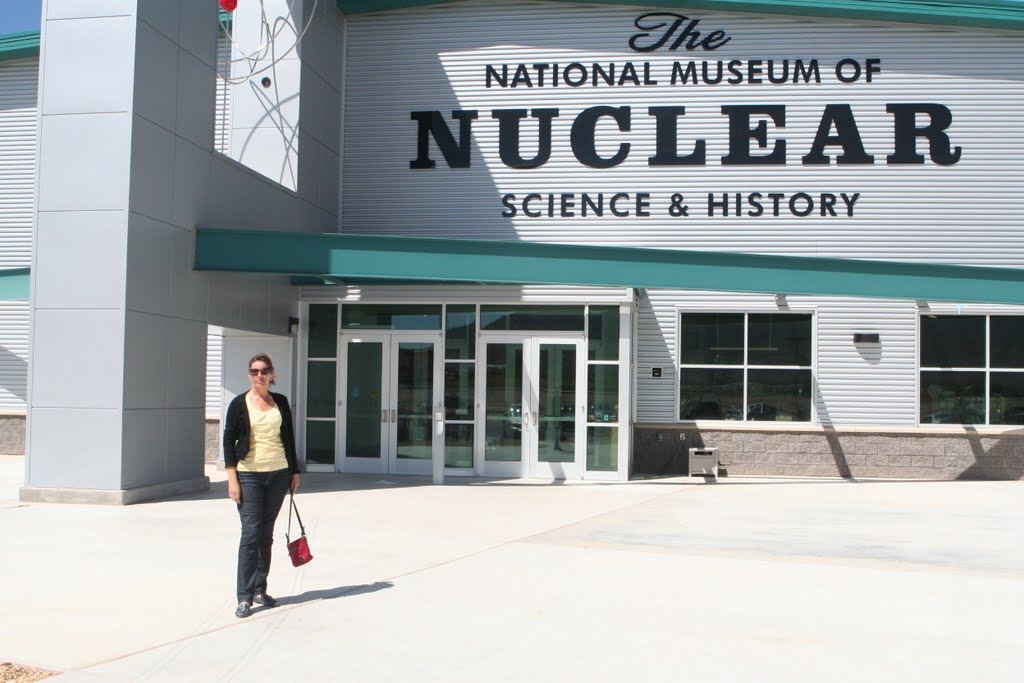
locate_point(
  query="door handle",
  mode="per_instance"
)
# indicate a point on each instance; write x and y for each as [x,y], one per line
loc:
[394,414]
[535,419]
[384,415]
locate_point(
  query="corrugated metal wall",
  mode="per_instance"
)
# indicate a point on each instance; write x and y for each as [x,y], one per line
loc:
[18,86]
[434,59]
[222,122]
[214,372]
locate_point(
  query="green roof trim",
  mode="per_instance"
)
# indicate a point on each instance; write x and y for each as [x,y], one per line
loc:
[19,45]
[343,258]
[997,14]
[14,284]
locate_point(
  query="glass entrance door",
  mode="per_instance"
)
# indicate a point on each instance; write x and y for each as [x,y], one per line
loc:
[559,409]
[391,402]
[533,407]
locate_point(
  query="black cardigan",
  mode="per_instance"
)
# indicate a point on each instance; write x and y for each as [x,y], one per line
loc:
[236,431]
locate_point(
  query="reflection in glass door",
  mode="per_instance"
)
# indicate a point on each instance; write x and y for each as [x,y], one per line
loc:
[390,404]
[557,409]
[533,408]
[503,411]
[366,417]
[414,408]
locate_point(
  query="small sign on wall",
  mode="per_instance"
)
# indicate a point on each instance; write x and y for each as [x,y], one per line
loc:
[655,372]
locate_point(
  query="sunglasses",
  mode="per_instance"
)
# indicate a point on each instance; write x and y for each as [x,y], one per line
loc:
[260,371]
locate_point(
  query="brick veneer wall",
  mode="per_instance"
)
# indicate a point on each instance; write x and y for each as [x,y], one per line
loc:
[833,452]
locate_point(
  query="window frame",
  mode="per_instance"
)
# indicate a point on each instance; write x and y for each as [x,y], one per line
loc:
[745,366]
[987,369]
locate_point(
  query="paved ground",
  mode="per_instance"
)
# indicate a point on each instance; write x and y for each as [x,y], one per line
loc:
[662,580]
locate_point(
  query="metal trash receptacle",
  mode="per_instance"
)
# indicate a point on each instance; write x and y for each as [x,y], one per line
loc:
[704,462]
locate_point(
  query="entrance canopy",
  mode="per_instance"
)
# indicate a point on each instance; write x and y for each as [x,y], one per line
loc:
[332,258]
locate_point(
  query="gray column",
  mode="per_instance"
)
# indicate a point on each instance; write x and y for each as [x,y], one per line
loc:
[118,317]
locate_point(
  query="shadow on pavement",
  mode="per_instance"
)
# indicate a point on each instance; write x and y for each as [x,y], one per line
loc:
[339,592]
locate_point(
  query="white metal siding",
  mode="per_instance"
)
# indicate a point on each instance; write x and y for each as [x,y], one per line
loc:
[18,86]
[871,384]
[434,59]
[13,355]
[214,373]
[222,122]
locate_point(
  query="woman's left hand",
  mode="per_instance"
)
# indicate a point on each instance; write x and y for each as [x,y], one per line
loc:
[295,482]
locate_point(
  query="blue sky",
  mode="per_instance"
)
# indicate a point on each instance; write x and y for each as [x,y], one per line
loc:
[19,15]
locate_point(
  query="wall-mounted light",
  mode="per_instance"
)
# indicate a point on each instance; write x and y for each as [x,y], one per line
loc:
[293,325]
[866,338]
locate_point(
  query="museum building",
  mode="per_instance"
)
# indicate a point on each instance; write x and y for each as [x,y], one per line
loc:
[555,240]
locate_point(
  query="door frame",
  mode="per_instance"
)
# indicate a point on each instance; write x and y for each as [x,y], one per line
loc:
[388,462]
[536,469]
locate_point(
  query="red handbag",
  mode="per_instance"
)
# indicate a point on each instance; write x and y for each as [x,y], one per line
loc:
[298,550]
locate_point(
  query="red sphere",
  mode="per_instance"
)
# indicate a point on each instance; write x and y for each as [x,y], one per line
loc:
[228,5]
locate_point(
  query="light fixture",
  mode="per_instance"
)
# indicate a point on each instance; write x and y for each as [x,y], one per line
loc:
[293,325]
[866,338]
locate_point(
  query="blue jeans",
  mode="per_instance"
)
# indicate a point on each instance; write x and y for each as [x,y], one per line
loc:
[262,496]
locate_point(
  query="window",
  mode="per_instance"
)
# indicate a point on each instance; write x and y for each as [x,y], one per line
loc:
[745,366]
[459,383]
[972,369]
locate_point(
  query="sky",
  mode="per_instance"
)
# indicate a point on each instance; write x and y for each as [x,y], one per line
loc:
[19,15]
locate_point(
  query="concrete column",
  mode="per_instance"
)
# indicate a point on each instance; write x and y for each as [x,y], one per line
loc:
[118,317]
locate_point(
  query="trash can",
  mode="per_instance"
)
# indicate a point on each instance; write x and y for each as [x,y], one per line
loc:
[704,462]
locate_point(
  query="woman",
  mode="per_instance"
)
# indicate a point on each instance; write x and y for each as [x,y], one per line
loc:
[259,456]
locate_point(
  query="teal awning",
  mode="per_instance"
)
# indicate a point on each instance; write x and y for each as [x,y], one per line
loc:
[342,258]
[14,284]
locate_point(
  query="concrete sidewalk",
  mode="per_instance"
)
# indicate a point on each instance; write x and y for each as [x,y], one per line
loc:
[662,580]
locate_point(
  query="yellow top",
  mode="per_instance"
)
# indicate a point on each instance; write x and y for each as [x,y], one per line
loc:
[266,451]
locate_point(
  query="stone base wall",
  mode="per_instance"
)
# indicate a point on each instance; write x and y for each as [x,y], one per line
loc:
[213,437]
[12,435]
[833,453]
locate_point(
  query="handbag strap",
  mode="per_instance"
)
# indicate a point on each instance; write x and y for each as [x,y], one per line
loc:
[293,506]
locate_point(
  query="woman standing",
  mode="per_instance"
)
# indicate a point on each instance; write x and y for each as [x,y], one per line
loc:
[259,456]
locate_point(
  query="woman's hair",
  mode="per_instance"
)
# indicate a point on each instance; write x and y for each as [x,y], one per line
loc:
[265,358]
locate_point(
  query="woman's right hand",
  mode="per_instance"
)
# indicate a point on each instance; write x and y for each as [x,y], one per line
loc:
[234,489]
